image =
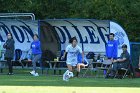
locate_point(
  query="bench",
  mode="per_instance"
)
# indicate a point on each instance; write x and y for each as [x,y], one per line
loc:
[53,66]
[2,65]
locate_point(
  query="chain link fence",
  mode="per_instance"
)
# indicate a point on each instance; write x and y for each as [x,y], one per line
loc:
[135,53]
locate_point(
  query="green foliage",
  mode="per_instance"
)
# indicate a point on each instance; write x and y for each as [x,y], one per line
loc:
[125,12]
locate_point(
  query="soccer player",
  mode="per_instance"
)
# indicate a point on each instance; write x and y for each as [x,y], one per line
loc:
[111,48]
[72,51]
[36,52]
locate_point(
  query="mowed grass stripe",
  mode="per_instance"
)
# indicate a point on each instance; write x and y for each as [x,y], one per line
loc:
[56,89]
[43,80]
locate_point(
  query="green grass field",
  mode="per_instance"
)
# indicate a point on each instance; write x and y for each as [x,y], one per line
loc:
[23,82]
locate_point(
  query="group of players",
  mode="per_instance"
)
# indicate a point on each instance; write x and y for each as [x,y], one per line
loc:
[71,53]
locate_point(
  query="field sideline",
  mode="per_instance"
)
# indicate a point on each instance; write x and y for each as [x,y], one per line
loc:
[50,89]
[25,83]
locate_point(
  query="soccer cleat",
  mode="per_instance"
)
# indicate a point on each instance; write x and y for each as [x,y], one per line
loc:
[32,72]
[66,76]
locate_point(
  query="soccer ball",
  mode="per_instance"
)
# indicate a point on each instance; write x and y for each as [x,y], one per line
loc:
[67,75]
[70,74]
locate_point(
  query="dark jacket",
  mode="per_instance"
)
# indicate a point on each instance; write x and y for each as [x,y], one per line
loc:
[9,45]
[127,56]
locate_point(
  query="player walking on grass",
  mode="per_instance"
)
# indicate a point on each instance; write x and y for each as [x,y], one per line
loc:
[36,52]
[72,52]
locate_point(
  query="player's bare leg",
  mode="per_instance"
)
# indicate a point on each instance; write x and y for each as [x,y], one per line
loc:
[79,66]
